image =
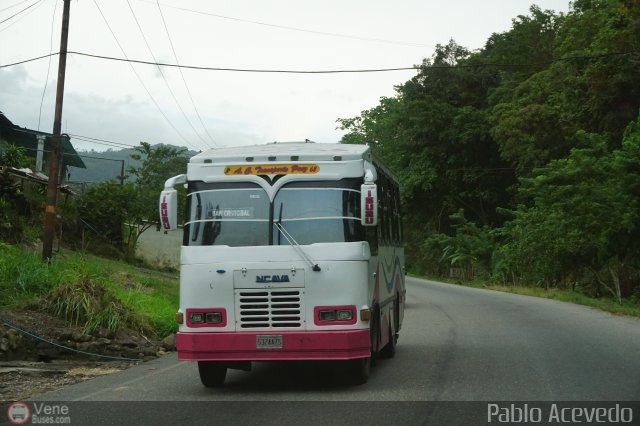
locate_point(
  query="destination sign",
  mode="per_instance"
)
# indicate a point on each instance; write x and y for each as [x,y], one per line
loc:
[233,213]
[272,169]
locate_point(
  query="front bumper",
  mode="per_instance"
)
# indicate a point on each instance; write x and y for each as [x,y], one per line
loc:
[309,345]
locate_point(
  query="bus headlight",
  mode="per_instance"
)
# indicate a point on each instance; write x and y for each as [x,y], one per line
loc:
[206,317]
[344,315]
[327,316]
[335,315]
[213,317]
[196,318]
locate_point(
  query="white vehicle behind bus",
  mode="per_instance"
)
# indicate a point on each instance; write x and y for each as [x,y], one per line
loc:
[291,251]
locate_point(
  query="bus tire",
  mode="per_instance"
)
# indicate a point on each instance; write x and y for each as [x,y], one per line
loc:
[212,373]
[389,351]
[374,332]
[360,370]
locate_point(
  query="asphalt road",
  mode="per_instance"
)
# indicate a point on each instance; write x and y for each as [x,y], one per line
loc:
[457,344]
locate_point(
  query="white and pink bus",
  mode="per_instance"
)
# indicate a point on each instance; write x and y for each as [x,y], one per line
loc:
[291,251]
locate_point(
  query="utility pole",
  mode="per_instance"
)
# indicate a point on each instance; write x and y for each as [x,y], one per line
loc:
[54,159]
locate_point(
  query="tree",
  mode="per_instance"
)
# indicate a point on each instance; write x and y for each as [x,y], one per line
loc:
[18,205]
[106,208]
[606,87]
[529,130]
[14,156]
[583,224]
[587,79]
[469,251]
[435,136]
[159,163]
[122,213]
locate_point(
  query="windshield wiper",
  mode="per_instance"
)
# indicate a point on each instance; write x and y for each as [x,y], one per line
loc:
[294,243]
[212,225]
[279,224]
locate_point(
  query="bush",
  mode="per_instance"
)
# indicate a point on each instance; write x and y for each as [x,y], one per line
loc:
[92,306]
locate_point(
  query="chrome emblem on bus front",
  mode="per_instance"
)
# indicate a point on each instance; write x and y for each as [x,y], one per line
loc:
[272,278]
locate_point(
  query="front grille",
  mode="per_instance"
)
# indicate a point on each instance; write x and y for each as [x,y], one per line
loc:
[270,309]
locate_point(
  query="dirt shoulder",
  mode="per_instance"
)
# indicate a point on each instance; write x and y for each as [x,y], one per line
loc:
[40,353]
[20,380]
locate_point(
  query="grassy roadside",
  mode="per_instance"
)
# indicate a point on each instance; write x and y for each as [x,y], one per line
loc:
[88,290]
[606,304]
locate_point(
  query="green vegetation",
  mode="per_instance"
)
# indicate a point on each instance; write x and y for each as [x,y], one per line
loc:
[607,304]
[119,213]
[89,291]
[625,307]
[103,166]
[18,203]
[106,219]
[519,166]
[520,162]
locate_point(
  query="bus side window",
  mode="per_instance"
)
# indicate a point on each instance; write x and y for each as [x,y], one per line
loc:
[396,216]
[387,213]
[382,209]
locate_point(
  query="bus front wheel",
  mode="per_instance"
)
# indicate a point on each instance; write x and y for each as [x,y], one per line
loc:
[212,373]
[360,369]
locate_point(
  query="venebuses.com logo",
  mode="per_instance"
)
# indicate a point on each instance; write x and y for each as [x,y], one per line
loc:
[20,413]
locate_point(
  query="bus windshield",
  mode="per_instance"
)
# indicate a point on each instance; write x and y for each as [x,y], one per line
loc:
[312,214]
[241,214]
[235,215]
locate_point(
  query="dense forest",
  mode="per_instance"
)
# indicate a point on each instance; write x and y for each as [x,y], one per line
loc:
[520,161]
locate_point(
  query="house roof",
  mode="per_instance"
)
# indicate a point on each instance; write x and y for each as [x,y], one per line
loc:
[28,139]
[36,177]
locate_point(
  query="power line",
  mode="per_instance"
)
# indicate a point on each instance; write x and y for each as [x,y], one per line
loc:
[102,141]
[183,79]
[89,139]
[105,142]
[139,78]
[31,10]
[447,67]
[13,5]
[344,71]
[162,74]
[18,13]
[81,137]
[46,80]
[244,69]
[47,151]
[111,58]
[29,60]
[289,28]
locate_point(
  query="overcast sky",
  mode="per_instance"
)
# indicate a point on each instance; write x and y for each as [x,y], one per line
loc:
[108,100]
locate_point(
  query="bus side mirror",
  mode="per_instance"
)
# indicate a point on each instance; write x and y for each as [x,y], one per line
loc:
[369,204]
[169,209]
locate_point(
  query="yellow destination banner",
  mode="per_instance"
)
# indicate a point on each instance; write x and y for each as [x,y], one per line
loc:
[272,169]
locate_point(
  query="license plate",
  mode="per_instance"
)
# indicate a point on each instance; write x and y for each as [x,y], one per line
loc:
[269,342]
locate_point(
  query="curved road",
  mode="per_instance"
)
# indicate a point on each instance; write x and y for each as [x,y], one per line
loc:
[457,344]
